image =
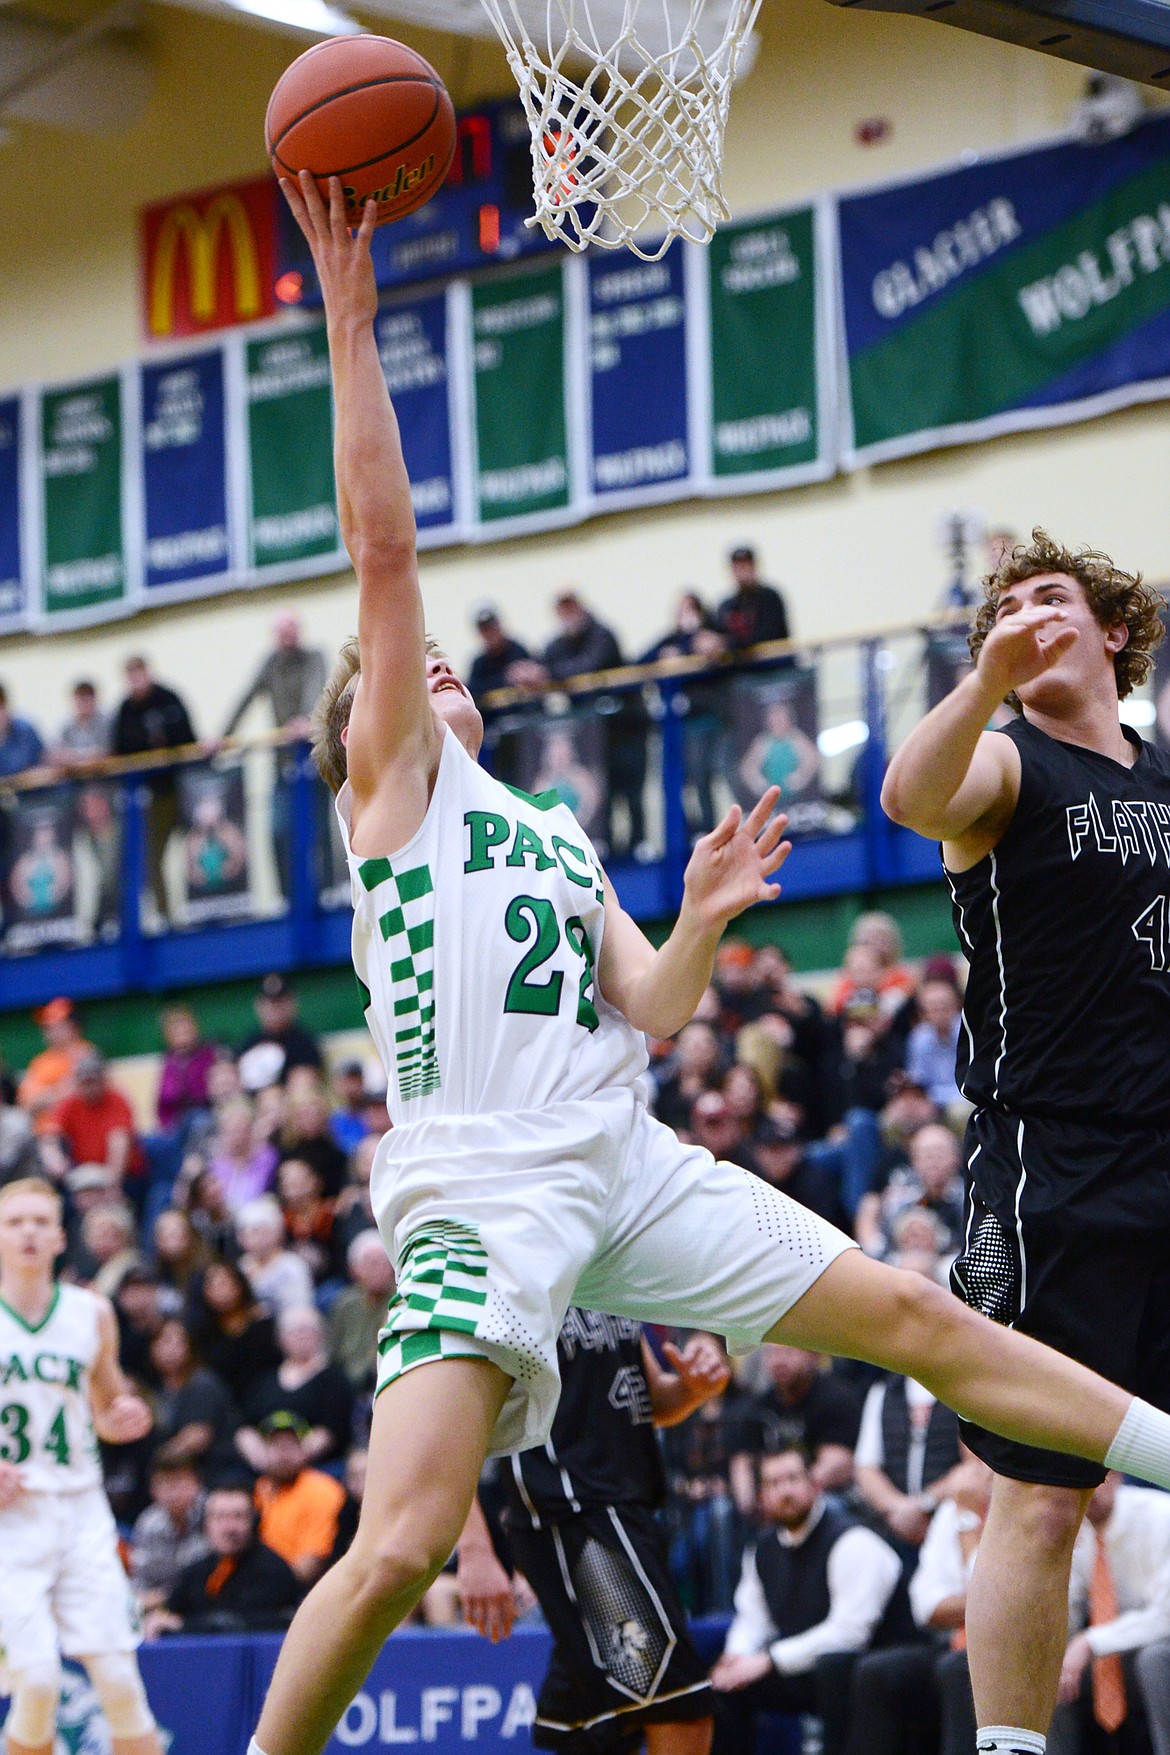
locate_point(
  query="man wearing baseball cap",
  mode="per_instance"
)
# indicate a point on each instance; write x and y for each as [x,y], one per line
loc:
[48,1079]
[280,1043]
[298,1506]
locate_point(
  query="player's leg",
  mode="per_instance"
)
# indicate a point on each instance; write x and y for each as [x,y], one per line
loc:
[29,1557]
[32,1715]
[693,1738]
[117,1683]
[430,1434]
[1017,1605]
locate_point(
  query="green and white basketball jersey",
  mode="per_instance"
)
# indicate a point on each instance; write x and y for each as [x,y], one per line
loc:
[476,946]
[45,1421]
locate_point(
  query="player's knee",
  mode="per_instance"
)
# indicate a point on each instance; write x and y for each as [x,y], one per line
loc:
[923,1315]
[1044,1519]
[121,1695]
[396,1561]
[36,1691]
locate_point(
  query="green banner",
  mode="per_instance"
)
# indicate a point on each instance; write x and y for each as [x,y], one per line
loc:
[81,472]
[764,356]
[521,425]
[290,448]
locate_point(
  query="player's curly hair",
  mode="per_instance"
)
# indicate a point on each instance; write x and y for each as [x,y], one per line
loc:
[331,714]
[1114,596]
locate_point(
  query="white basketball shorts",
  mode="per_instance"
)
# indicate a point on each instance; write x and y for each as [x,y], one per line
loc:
[62,1586]
[497,1223]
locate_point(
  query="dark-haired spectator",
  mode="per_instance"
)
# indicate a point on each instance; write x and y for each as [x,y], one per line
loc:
[21,745]
[306,1383]
[715,1125]
[240,1586]
[168,1535]
[933,1043]
[194,1416]
[201,1193]
[493,666]
[931,1179]
[280,1043]
[299,1506]
[779,1155]
[48,1077]
[235,1337]
[804,1406]
[347,1123]
[309,1218]
[696,1065]
[180,1254]
[95,1125]
[86,736]
[359,1311]
[186,1068]
[754,612]
[279,1277]
[243,1164]
[694,636]
[141,1307]
[306,1135]
[153,718]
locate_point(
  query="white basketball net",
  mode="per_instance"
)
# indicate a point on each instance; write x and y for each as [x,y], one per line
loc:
[627,123]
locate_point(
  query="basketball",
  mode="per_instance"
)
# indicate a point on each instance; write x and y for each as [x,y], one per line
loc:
[368,110]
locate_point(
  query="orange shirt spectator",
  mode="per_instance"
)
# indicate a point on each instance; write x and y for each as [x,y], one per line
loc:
[299,1507]
[48,1079]
[96,1123]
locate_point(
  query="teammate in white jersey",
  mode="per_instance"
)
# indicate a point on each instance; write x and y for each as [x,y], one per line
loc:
[63,1590]
[507,992]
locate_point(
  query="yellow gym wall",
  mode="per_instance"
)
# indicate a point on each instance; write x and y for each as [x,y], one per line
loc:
[857,552]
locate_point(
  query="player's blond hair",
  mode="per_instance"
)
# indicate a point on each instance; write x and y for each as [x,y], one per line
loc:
[34,1185]
[1114,596]
[331,714]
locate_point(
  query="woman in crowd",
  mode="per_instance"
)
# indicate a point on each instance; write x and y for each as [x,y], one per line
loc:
[307,1383]
[236,1338]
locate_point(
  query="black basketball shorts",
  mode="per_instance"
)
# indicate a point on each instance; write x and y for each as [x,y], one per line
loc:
[622,1656]
[1068,1240]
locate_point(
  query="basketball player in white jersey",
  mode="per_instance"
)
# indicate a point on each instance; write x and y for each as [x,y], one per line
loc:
[507,992]
[63,1590]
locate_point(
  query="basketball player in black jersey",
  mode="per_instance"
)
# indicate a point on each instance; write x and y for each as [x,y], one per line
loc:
[1055,839]
[580,1518]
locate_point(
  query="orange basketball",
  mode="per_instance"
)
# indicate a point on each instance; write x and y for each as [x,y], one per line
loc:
[370,111]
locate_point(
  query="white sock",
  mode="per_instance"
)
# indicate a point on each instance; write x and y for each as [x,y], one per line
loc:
[254,1748]
[1004,1740]
[1142,1444]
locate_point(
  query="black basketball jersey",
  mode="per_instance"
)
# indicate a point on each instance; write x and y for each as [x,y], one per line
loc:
[1065,923]
[603,1449]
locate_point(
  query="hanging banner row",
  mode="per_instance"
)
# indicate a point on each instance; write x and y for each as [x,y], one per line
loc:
[1020,291]
[526,400]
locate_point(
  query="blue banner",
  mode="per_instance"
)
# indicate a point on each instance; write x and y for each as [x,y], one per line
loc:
[412,345]
[11,552]
[184,469]
[638,342]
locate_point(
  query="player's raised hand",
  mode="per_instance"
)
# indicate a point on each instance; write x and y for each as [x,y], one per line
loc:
[126,1419]
[11,1484]
[1023,645]
[341,256]
[701,1365]
[730,868]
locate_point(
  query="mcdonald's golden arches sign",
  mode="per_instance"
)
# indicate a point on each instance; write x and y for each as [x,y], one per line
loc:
[209,259]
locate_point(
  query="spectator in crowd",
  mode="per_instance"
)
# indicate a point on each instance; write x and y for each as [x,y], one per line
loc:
[309,1218]
[359,1311]
[289,679]
[109,1237]
[280,1043]
[48,1077]
[307,1135]
[278,1277]
[815,1591]
[202,1196]
[186,1069]
[87,735]
[805,1406]
[240,1585]
[299,1506]
[180,1254]
[18,1147]
[694,1066]
[495,664]
[95,1125]
[715,1125]
[194,1416]
[235,1336]
[243,1165]
[306,1383]
[99,821]
[779,1155]
[21,747]
[754,612]
[933,1043]
[351,1510]
[353,1210]
[931,1180]
[168,1535]
[883,970]
[694,636]
[347,1124]
[152,718]
[141,1307]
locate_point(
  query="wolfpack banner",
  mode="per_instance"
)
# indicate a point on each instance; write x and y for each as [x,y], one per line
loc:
[1018,292]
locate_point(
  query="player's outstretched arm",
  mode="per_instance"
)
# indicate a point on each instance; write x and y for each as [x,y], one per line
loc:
[732,867]
[950,779]
[119,1416]
[391,714]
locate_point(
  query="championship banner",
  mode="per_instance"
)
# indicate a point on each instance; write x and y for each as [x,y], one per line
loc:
[638,347]
[12,604]
[521,419]
[290,450]
[771,357]
[213,818]
[412,346]
[85,565]
[1020,292]
[209,259]
[40,882]
[184,472]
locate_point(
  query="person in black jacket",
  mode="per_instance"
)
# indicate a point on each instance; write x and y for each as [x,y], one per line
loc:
[153,718]
[585,645]
[754,612]
[240,1587]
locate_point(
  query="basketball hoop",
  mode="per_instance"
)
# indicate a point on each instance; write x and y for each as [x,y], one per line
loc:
[627,113]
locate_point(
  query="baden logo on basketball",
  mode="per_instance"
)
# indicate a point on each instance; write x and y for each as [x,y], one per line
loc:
[404,181]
